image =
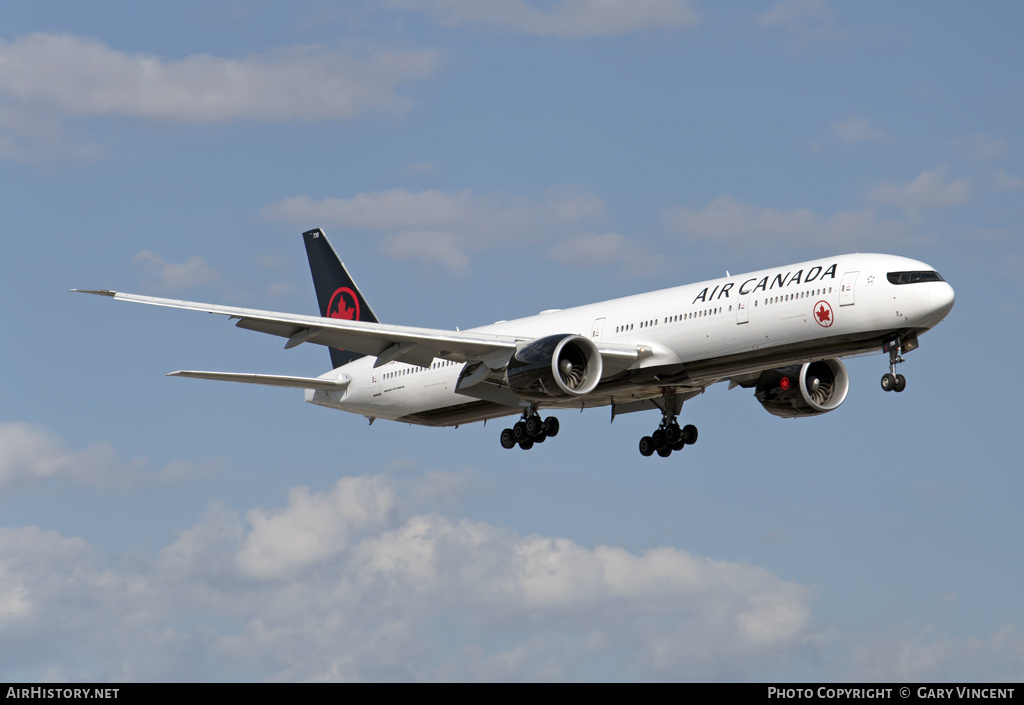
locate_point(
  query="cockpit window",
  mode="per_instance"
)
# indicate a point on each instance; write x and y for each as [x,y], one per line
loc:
[913,277]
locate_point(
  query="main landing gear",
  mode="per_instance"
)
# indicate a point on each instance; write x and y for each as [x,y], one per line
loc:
[529,430]
[892,382]
[669,436]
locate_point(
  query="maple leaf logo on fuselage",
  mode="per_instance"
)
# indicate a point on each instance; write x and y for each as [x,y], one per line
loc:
[823,314]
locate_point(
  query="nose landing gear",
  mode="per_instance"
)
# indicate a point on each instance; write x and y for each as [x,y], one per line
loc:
[529,430]
[892,382]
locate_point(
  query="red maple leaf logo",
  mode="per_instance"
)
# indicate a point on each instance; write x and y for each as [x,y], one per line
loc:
[823,314]
[339,305]
[344,312]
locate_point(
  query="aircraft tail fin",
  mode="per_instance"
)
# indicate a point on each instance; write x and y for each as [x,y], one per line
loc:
[336,292]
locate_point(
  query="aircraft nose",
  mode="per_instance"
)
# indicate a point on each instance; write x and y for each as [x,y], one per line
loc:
[941,298]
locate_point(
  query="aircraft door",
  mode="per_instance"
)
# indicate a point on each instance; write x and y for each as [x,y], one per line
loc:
[597,330]
[375,383]
[742,314]
[846,288]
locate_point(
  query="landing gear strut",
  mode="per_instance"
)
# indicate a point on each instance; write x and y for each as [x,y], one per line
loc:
[669,436]
[529,430]
[892,382]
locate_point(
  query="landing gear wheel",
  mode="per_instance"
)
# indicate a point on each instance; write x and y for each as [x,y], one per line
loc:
[679,446]
[659,439]
[646,446]
[534,426]
[539,438]
[527,444]
[519,432]
[888,381]
[508,441]
[672,434]
[665,452]
[689,434]
[551,427]
[901,383]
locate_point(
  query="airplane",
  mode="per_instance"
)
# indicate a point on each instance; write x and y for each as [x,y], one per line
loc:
[779,331]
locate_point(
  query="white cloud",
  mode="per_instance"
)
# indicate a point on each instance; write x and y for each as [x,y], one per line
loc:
[169,276]
[30,454]
[931,189]
[441,247]
[362,582]
[920,655]
[856,130]
[981,147]
[446,228]
[47,78]
[354,584]
[1002,181]
[80,76]
[315,526]
[804,21]
[790,13]
[747,228]
[30,136]
[590,250]
[565,18]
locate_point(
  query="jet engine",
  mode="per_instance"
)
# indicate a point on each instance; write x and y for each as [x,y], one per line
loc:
[803,390]
[555,366]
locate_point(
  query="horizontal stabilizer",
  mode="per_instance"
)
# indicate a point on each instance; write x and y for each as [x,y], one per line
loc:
[270,380]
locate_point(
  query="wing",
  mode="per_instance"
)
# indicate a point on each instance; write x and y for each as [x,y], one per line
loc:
[415,346]
[328,385]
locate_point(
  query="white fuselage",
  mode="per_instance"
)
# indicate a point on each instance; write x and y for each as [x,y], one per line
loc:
[695,334]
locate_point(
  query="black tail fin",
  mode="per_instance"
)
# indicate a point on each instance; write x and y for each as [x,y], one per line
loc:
[337,294]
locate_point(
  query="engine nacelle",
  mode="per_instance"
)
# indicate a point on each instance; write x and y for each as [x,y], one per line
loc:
[803,390]
[564,365]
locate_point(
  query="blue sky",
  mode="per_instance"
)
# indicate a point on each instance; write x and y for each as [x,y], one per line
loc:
[475,161]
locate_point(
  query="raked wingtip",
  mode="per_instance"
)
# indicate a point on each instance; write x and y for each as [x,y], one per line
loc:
[96,292]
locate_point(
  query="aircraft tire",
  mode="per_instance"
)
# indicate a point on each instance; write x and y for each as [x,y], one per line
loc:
[901,383]
[551,427]
[679,446]
[519,432]
[665,452]
[659,439]
[689,434]
[534,426]
[888,382]
[672,434]
[508,442]
[527,444]
[646,446]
